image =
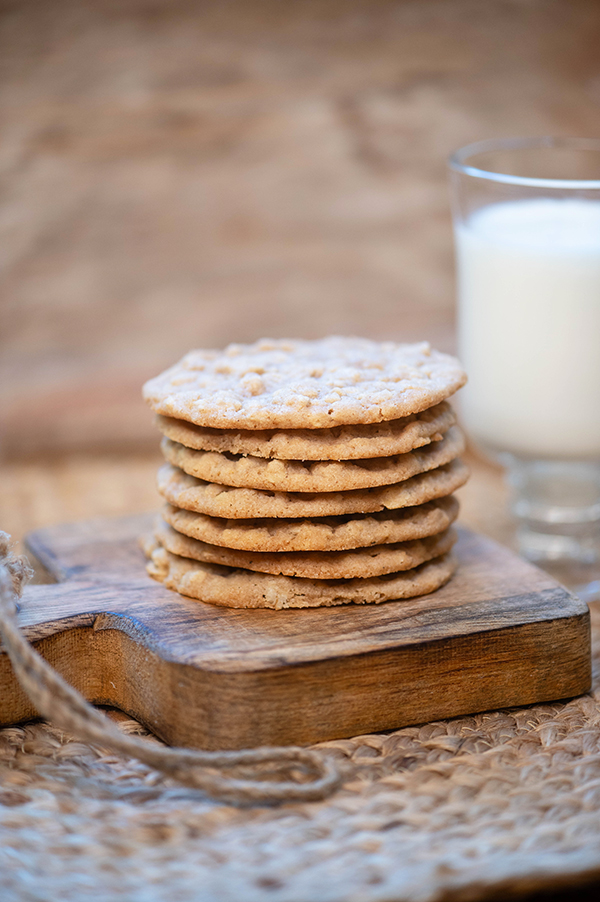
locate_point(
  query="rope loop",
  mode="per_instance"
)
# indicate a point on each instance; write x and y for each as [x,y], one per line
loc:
[306,775]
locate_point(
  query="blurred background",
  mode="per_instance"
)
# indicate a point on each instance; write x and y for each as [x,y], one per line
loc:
[178,174]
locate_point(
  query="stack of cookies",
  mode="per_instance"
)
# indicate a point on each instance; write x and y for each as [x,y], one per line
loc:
[307,473]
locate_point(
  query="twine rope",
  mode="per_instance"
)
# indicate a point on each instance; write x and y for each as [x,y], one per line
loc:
[310,775]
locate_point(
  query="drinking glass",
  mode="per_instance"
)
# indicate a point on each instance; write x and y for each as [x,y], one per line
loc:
[527,235]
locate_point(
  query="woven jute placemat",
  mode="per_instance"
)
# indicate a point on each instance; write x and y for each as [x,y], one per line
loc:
[488,806]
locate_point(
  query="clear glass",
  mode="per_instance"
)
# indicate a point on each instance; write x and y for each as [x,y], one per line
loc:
[527,233]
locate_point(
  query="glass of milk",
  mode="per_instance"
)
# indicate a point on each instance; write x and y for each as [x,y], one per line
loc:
[527,232]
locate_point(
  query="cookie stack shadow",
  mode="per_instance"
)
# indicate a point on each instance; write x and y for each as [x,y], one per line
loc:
[289,518]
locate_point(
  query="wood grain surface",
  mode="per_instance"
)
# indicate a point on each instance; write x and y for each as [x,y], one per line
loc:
[201,675]
[181,174]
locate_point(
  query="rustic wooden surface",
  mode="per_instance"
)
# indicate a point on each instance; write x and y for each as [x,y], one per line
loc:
[202,675]
[49,491]
[179,173]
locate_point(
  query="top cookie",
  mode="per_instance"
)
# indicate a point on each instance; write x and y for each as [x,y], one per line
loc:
[304,384]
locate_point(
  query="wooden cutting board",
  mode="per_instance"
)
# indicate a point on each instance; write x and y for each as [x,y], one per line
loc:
[501,633]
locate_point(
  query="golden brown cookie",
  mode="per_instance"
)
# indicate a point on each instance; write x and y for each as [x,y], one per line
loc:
[236,588]
[361,563]
[304,384]
[227,502]
[340,443]
[320,533]
[312,476]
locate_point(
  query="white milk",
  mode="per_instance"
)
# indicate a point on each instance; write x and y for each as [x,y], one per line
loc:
[529,326]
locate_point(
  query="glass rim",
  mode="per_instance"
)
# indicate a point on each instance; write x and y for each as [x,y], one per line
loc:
[457,161]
